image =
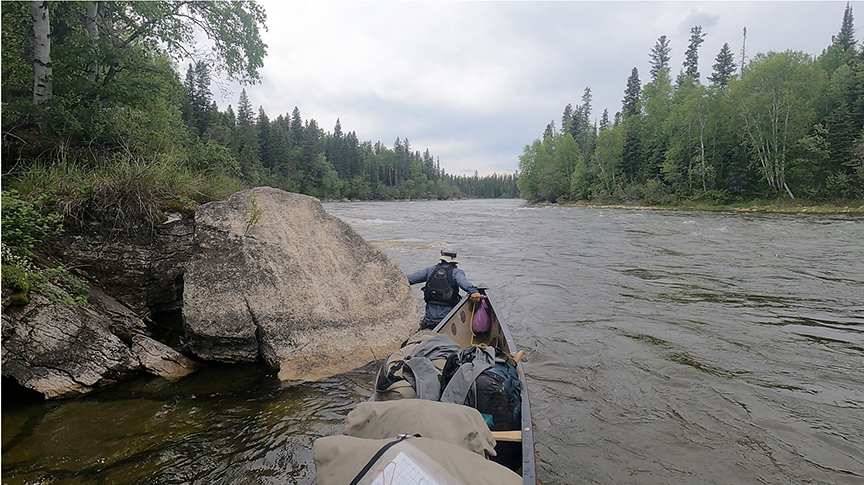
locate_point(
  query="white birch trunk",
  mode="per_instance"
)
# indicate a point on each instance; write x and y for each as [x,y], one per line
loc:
[702,121]
[93,34]
[41,52]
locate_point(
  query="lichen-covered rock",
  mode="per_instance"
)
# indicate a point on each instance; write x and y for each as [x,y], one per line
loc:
[274,276]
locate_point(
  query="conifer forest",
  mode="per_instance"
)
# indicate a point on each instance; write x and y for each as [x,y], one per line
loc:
[774,126]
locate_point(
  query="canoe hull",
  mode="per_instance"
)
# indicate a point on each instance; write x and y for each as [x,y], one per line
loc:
[510,449]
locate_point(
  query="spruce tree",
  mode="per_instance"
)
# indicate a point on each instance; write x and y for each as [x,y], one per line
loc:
[587,131]
[632,152]
[586,105]
[244,141]
[846,38]
[549,132]
[187,109]
[691,55]
[244,110]
[198,112]
[202,106]
[264,140]
[604,120]
[659,57]
[567,118]
[723,68]
[296,128]
[632,94]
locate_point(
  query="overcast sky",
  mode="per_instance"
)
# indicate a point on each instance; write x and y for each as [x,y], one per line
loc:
[476,82]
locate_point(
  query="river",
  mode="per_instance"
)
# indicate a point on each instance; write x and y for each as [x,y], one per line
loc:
[660,347]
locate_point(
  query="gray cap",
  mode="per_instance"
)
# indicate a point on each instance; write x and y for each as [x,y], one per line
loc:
[448,255]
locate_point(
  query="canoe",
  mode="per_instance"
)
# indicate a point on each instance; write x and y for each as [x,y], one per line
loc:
[515,449]
[370,428]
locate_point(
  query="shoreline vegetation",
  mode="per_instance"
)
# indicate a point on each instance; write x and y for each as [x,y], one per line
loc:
[764,207]
[776,126]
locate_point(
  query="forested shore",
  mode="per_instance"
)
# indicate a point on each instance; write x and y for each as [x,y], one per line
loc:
[102,128]
[780,129]
[114,94]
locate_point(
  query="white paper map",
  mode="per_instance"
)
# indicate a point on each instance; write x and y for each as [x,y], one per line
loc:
[403,470]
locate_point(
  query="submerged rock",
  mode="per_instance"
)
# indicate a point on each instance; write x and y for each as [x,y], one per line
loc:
[275,277]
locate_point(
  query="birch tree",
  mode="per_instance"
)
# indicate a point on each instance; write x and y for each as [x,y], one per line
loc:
[42,83]
[92,29]
[777,100]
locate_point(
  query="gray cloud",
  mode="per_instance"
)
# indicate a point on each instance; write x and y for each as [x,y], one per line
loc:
[475,82]
[703,19]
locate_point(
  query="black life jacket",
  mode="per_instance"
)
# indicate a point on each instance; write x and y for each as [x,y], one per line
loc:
[440,288]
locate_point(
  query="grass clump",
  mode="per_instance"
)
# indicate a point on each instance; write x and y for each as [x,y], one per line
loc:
[118,190]
[253,215]
[123,189]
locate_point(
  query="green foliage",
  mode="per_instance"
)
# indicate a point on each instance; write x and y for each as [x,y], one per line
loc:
[660,58]
[17,275]
[547,167]
[123,189]
[691,55]
[632,94]
[233,28]
[724,67]
[778,98]
[711,197]
[253,215]
[61,286]
[788,126]
[212,157]
[25,225]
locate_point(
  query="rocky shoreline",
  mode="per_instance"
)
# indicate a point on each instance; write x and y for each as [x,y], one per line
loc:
[265,275]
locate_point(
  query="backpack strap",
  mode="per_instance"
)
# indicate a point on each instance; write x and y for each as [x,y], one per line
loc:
[459,385]
[426,383]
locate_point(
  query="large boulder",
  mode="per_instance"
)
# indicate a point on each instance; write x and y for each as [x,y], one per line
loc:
[275,277]
[63,351]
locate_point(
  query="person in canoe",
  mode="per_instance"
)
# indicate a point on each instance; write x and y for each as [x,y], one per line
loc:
[441,292]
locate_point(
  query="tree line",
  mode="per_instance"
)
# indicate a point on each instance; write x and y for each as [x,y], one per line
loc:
[779,125]
[298,155]
[94,83]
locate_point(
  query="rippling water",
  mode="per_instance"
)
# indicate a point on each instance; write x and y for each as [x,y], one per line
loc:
[661,347]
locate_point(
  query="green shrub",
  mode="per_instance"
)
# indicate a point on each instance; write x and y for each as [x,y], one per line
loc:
[711,197]
[61,286]
[26,225]
[17,275]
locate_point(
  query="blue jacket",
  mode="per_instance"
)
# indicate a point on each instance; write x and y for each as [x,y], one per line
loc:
[434,312]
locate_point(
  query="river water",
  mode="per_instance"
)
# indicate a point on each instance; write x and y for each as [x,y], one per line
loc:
[660,347]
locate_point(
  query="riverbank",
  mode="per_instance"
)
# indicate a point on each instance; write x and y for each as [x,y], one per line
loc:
[772,207]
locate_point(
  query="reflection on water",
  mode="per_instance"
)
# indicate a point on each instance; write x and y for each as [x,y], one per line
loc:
[661,347]
[224,424]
